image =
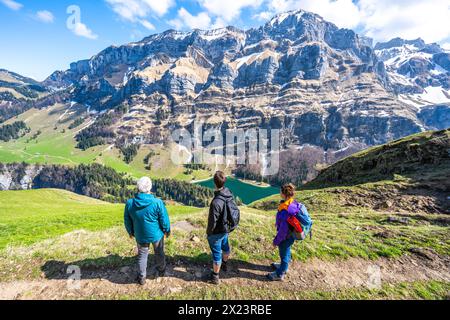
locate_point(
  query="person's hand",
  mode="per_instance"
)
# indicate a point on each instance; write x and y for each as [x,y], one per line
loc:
[167,234]
[131,236]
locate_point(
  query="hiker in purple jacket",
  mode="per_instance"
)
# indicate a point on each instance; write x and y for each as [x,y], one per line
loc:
[284,238]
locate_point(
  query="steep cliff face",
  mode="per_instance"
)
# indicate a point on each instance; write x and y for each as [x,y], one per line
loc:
[18,176]
[319,84]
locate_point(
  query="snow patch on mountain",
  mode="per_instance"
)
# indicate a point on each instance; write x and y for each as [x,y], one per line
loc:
[413,70]
[435,95]
[431,96]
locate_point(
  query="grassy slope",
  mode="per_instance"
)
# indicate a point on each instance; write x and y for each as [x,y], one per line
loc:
[423,156]
[30,216]
[340,233]
[52,145]
[56,145]
[16,79]
[408,175]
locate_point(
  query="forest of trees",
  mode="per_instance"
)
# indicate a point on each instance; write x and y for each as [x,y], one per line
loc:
[148,158]
[76,123]
[101,182]
[94,180]
[98,133]
[29,91]
[129,152]
[13,131]
[184,192]
[294,167]
[191,167]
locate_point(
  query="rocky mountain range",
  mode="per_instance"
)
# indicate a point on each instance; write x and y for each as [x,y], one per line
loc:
[321,85]
[17,92]
[417,71]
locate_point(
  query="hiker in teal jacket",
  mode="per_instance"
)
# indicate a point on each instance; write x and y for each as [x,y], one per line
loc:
[146,219]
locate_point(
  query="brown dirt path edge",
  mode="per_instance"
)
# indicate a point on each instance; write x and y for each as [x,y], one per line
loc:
[312,275]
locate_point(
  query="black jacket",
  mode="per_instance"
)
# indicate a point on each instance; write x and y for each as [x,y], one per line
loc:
[217,220]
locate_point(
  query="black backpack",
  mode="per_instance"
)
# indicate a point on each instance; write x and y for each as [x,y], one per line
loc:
[233,215]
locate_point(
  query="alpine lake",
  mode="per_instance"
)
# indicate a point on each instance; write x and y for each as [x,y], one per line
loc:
[247,192]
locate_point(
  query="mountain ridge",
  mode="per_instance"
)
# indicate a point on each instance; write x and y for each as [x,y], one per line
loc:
[318,84]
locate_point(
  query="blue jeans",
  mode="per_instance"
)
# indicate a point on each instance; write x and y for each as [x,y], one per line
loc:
[285,255]
[219,245]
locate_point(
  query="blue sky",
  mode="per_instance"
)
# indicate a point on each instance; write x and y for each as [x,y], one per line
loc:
[38,37]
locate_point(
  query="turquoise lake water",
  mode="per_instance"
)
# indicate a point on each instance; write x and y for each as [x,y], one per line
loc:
[248,193]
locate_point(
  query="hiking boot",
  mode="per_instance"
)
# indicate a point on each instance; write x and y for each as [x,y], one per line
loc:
[275,266]
[157,274]
[161,273]
[273,276]
[224,267]
[141,280]
[214,278]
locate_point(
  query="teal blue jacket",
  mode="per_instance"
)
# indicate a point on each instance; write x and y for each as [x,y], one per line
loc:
[146,218]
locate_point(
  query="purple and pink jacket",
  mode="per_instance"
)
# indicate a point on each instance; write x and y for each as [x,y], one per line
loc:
[285,210]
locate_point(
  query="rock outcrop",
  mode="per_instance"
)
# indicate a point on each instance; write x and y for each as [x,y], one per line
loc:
[18,176]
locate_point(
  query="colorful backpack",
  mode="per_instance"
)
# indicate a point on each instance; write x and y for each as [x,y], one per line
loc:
[301,224]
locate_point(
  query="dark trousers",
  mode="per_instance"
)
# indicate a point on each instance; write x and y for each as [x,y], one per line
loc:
[160,257]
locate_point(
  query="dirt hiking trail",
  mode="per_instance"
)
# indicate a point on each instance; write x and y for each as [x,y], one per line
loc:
[313,275]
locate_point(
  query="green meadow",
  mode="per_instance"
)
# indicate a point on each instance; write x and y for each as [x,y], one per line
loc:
[27,217]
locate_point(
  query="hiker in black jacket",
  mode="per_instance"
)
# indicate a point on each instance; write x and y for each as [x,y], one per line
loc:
[221,209]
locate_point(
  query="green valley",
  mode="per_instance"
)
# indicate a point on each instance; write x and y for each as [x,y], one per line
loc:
[51,140]
[381,208]
[45,231]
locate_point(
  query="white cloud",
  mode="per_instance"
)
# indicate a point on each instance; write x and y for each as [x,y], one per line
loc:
[187,20]
[45,16]
[80,29]
[136,10]
[263,16]
[13,5]
[228,10]
[219,23]
[129,9]
[379,19]
[160,7]
[409,19]
[147,24]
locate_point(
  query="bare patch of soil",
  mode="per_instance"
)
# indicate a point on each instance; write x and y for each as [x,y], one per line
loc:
[395,199]
[183,225]
[420,265]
